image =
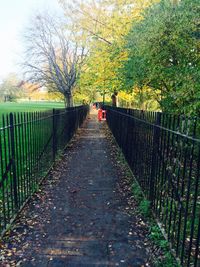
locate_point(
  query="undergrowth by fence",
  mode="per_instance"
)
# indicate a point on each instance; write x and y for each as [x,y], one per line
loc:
[29,144]
[163,152]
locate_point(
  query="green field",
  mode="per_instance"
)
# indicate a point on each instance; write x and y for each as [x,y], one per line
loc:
[28,106]
[8,107]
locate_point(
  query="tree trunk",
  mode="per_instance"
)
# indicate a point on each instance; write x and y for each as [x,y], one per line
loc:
[68,101]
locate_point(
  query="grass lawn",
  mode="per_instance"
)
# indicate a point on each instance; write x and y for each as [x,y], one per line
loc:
[28,106]
[8,107]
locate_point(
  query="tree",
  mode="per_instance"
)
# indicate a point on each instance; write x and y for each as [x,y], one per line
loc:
[53,57]
[10,88]
[103,25]
[163,53]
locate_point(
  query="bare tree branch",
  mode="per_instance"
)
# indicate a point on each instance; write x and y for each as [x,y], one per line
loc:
[52,59]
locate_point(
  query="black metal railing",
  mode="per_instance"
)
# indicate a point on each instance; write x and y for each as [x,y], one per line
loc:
[163,152]
[29,144]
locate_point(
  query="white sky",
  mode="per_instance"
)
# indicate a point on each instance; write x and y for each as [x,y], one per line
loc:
[14,17]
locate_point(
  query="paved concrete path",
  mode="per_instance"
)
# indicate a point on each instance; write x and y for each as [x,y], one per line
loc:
[82,218]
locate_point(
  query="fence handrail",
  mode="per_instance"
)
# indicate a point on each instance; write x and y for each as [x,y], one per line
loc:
[149,111]
[158,126]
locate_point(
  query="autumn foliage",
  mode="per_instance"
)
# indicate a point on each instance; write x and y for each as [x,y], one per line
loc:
[147,50]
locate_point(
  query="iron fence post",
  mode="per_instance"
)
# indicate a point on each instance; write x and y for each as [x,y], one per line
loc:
[54,133]
[156,135]
[13,159]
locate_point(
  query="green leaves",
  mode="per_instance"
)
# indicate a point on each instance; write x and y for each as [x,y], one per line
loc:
[163,51]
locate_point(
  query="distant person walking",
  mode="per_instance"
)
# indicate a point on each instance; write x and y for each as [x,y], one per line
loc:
[114,98]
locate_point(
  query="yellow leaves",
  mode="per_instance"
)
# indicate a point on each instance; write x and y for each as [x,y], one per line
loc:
[103,26]
[125,96]
[104,21]
[139,98]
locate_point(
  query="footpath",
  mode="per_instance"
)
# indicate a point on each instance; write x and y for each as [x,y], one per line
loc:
[79,217]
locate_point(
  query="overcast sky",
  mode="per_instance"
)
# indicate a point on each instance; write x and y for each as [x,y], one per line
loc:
[14,16]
